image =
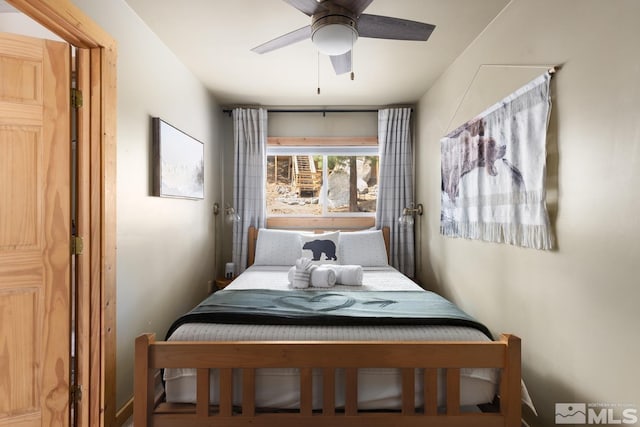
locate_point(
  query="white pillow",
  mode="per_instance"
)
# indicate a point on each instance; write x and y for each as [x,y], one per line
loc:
[320,248]
[365,248]
[277,247]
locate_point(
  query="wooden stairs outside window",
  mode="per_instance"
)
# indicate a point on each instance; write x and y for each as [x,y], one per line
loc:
[307,179]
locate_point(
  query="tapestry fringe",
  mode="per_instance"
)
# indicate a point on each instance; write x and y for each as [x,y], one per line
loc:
[529,236]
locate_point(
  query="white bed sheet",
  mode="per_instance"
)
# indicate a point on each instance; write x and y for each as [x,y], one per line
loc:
[279,388]
[275,277]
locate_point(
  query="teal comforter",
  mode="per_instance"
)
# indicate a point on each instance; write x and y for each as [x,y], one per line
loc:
[327,307]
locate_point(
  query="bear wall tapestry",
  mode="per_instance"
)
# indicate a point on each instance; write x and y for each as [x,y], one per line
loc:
[493,172]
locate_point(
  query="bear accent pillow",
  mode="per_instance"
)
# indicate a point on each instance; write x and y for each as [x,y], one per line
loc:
[277,247]
[365,248]
[321,248]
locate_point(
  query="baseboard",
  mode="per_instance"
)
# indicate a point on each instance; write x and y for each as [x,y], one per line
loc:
[124,413]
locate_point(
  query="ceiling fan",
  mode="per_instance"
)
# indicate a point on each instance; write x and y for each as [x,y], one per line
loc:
[337,24]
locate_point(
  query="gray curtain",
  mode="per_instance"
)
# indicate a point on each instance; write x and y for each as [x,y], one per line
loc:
[250,161]
[395,188]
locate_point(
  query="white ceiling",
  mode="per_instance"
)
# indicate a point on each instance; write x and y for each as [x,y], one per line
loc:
[6,7]
[214,37]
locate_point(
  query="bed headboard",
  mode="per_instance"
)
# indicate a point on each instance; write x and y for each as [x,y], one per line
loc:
[253,238]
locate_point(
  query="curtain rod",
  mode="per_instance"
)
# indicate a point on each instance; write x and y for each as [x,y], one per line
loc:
[323,111]
[552,69]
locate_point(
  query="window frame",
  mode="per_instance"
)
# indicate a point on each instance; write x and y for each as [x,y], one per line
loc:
[325,146]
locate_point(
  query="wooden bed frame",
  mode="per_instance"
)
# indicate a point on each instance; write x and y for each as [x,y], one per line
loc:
[247,356]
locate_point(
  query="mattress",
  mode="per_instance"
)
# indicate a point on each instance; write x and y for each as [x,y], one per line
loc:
[275,278]
[279,388]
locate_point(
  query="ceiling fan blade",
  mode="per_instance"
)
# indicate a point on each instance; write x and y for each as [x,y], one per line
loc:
[285,40]
[308,7]
[341,63]
[355,6]
[385,27]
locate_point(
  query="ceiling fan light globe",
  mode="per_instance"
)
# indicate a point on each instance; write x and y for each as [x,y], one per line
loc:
[334,39]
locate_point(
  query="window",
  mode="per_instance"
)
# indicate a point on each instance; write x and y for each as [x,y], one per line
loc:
[322,180]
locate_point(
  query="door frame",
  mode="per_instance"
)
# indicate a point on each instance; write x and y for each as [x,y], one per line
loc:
[96,201]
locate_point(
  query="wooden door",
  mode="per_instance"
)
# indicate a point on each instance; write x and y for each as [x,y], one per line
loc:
[35,261]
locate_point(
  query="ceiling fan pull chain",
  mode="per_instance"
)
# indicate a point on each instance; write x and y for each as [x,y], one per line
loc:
[352,61]
[318,53]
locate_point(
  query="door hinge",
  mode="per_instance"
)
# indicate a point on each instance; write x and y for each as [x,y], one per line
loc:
[77,245]
[76,98]
[76,393]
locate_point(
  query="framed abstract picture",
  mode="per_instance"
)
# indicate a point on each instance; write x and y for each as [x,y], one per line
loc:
[178,162]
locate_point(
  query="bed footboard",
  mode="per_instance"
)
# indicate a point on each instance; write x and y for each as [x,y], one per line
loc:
[327,356]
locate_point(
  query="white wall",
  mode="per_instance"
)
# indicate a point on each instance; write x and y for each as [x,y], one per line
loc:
[324,125]
[19,23]
[576,307]
[165,246]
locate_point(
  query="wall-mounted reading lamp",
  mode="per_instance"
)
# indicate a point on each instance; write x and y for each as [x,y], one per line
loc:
[408,214]
[230,214]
